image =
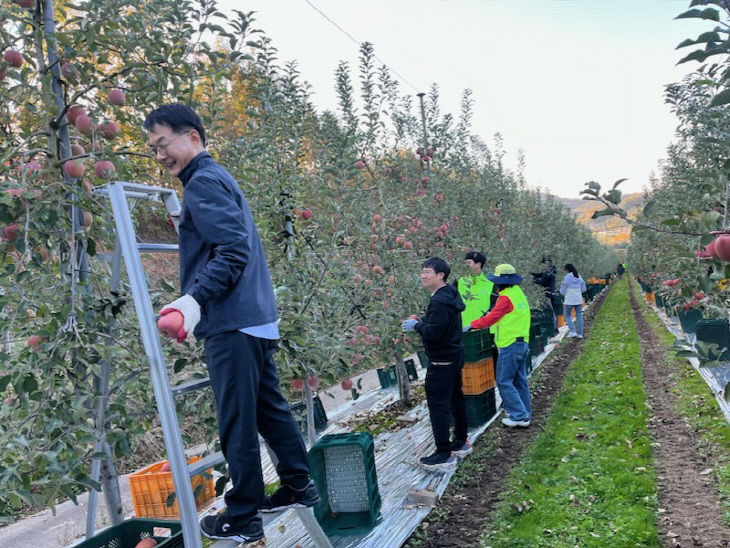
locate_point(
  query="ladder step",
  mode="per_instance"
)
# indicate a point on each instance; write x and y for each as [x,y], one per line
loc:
[189,386]
[158,247]
[207,462]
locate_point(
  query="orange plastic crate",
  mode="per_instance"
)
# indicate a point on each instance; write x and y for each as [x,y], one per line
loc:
[650,299]
[150,488]
[561,320]
[476,377]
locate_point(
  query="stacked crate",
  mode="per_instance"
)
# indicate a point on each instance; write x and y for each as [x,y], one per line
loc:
[477,377]
[715,331]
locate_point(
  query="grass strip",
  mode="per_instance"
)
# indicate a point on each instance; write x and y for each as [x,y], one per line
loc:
[588,479]
[699,408]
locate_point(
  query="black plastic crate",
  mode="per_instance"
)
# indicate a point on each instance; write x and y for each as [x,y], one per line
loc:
[128,533]
[423,358]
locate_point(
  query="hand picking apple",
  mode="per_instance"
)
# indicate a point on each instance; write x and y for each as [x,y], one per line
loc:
[190,310]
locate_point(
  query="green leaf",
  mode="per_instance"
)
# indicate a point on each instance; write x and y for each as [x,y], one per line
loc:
[721,98]
[697,55]
[614,196]
[593,185]
[4,382]
[708,13]
[615,185]
[602,213]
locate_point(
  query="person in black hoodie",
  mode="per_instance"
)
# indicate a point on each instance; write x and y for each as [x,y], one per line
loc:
[440,329]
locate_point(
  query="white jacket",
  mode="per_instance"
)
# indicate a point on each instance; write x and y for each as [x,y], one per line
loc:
[572,289]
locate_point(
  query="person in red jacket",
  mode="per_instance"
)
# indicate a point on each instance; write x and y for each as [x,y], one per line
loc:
[511,318]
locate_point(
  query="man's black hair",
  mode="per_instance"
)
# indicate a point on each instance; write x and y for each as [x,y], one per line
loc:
[438,265]
[178,117]
[476,257]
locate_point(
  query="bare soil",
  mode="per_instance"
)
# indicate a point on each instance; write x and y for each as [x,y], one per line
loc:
[688,498]
[460,515]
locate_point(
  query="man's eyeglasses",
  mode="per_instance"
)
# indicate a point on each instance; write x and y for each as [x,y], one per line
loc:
[162,148]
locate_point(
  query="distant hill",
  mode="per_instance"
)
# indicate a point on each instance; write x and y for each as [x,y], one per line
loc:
[611,230]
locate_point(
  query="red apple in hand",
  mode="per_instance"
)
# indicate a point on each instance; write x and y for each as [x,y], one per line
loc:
[170,324]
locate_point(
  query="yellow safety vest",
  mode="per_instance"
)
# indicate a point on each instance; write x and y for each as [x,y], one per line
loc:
[476,292]
[516,323]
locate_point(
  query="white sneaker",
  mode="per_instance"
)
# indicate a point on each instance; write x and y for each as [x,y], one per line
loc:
[572,334]
[512,424]
[579,336]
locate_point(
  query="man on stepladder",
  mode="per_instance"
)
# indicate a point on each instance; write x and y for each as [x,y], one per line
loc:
[228,301]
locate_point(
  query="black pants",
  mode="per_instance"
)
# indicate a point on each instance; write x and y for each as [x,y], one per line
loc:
[444,397]
[246,388]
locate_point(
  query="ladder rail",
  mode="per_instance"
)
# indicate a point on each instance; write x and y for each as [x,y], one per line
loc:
[158,371]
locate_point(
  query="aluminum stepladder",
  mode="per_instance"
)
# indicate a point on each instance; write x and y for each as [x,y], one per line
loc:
[118,193]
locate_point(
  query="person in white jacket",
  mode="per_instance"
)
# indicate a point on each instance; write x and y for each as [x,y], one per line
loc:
[572,290]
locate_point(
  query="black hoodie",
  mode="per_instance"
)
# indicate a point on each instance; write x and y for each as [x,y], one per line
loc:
[440,327]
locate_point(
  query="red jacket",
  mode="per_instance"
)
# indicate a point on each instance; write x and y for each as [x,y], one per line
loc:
[501,308]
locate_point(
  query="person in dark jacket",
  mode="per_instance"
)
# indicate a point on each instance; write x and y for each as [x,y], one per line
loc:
[228,301]
[440,329]
[546,279]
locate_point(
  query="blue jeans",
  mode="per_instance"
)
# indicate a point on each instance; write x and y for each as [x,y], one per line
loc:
[512,381]
[578,318]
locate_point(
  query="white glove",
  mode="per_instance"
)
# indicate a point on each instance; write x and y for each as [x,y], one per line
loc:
[190,310]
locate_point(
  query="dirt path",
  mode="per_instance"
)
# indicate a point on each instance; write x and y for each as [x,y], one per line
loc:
[461,513]
[689,509]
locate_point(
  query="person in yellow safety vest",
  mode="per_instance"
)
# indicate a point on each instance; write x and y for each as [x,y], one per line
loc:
[511,318]
[476,290]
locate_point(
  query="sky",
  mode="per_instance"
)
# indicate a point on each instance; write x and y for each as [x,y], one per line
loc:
[576,84]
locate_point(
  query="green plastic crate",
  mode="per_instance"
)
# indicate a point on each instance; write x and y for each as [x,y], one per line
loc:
[480,408]
[387,377]
[343,468]
[477,345]
[299,413]
[659,300]
[715,331]
[688,319]
[128,533]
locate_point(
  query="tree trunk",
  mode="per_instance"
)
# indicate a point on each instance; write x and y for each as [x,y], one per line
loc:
[404,384]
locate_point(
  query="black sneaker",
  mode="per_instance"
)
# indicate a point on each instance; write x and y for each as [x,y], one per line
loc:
[222,527]
[287,497]
[438,461]
[460,448]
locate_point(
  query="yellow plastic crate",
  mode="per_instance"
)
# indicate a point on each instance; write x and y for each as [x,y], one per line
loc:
[476,377]
[150,488]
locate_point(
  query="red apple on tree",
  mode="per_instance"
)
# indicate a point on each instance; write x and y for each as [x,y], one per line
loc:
[74,168]
[27,4]
[10,232]
[297,384]
[14,58]
[108,129]
[84,124]
[77,150]
[312,382]
[74,112]
[34,341]
[116,97]
[104,169]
